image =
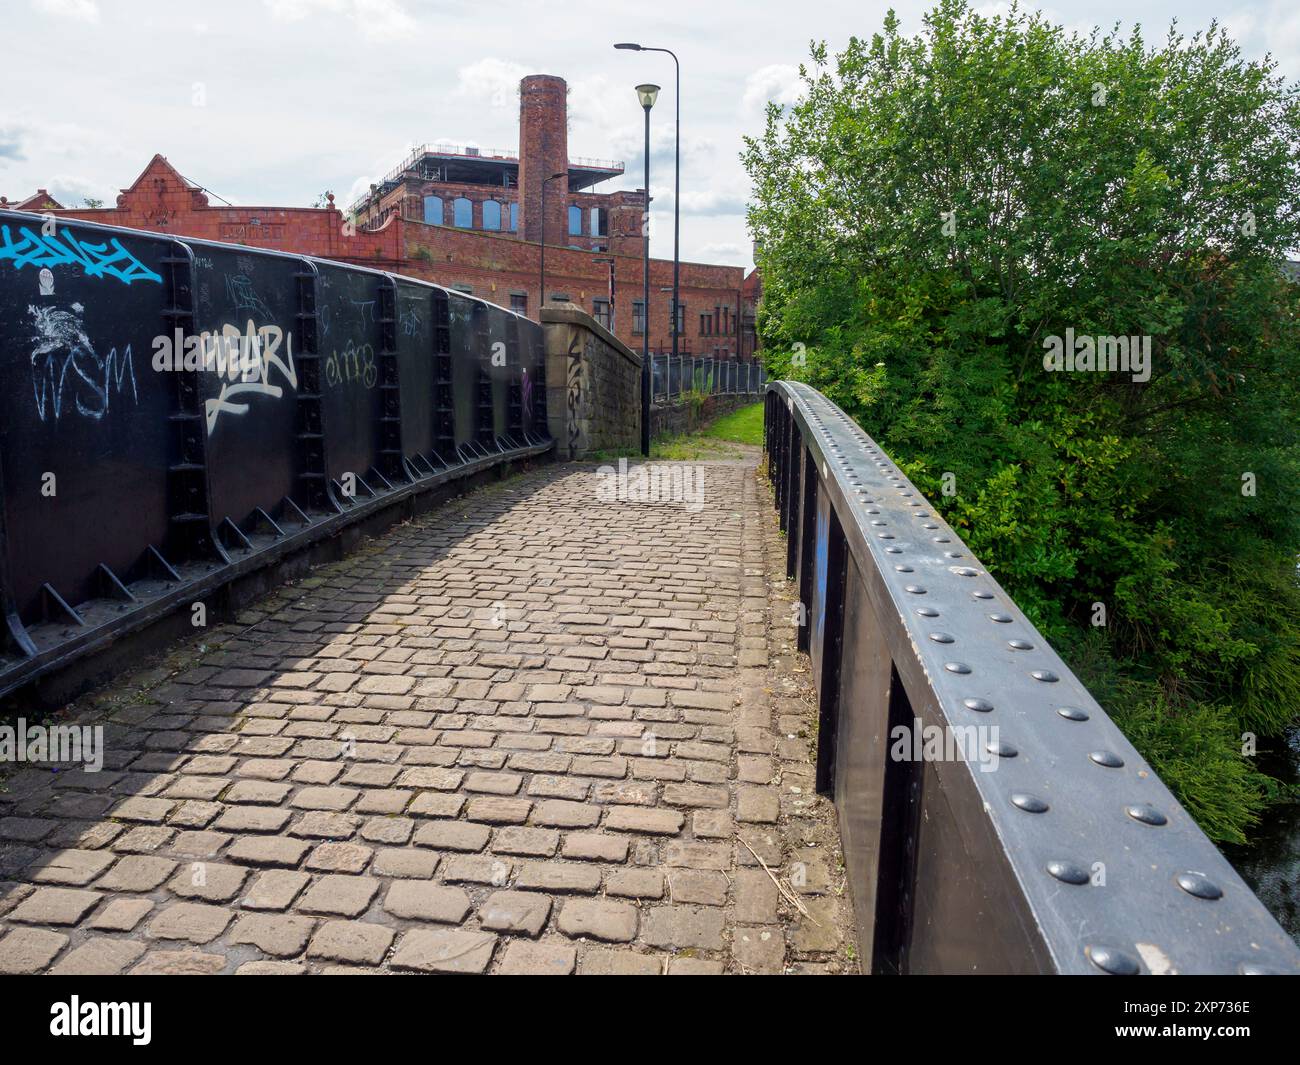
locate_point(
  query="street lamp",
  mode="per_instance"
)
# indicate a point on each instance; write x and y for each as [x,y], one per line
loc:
[541,295]
[647,94]
[677,186]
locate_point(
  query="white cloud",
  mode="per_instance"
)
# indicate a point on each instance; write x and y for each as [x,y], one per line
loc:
[491,81]
[81,10]
[378,20]
[776,83]
[72,190]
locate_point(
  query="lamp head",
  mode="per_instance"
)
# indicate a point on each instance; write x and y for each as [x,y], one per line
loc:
[627,46]
[647,94]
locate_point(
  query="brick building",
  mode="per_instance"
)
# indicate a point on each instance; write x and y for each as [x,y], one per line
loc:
[472,219]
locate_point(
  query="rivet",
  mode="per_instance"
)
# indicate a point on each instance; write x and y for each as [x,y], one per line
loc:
[914,589]
[1031,804]
[1020,645]
[1072,713]
[1045,675]
[929,525]
[956,667]
[1001,748]
[980,706]
[1109,759]
[885,536]
[893,550]
[927,611]
[1200,885]
[879,522]
[941,637]
[942,540]
[964,571]
[1110,960]
[1146,813]
[982,595]
[1001,619]
[1068,872]
[903,569]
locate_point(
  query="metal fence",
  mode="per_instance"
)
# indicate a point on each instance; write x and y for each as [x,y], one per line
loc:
[994,819]
[176,413]
[671,378]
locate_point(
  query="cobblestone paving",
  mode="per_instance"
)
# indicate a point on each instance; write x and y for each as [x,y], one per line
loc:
[529,733]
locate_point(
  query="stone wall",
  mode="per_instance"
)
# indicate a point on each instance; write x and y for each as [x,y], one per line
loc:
[593,385]
[688,417]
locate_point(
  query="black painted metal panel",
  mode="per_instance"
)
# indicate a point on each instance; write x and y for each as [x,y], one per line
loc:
[179,460]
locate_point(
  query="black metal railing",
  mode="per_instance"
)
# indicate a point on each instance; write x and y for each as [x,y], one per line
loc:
[994,818]
[673,377]
[176,413]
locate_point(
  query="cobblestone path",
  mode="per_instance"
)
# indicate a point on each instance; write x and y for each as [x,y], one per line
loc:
[531,732]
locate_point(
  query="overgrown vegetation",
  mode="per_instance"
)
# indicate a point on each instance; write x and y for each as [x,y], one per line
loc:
[935,209]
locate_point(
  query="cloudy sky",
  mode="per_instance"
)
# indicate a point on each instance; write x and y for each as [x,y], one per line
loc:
[270,102]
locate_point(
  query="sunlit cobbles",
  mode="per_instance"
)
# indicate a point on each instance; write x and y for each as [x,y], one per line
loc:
[274,890]
[603,919]
[645,820]
[594,847]
[55,906]
[598,961]
[519,912]
[120,915]
[252,819]
[419,901]
[73,868]
[194,922]
[25,951]
[558,878]
[210,881]
[350,942]
[346,896]
[444,951]
[98,956]
[683,927]
[465,836]
[523,958]
[279,936]
[179,963]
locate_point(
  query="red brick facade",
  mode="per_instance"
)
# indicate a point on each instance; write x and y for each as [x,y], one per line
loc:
[499,265]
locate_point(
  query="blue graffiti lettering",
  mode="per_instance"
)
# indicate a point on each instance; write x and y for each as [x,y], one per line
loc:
[63,248]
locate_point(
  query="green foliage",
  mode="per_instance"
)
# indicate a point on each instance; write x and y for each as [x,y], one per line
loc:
[744,426]
[934,208]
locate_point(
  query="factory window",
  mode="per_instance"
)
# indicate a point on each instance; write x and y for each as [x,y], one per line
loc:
[491,214]
[600,310]
[599,222]
[462,213]
[681,318]
[514,217]
[704,325]
[519,300]
[575,221]
[433,210]
[638,317]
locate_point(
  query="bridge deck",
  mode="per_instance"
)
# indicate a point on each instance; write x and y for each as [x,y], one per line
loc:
[530,731]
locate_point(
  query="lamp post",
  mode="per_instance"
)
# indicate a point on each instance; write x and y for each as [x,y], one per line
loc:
[647,94]
[541,293]
[677,185]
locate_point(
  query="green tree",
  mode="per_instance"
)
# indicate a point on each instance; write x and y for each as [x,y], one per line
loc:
[936,209]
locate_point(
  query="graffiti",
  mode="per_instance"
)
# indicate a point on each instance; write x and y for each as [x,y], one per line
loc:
[325,320]
[409,320]
[352,365]
[575,395]
[367,309]
[244,360]
[526,393]
[65,361]
[62,249]
[244,298]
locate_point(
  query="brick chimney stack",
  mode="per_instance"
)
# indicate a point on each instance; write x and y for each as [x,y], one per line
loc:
[543,151]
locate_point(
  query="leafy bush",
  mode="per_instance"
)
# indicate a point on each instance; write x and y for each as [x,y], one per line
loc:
[935,209]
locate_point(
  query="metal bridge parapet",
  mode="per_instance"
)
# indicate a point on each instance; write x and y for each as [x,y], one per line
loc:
[1038,839]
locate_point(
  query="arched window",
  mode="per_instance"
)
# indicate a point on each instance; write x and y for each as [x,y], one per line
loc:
[433,210]
[491,214]
[514,217]
[462,213]
[599,222]
[575,221]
